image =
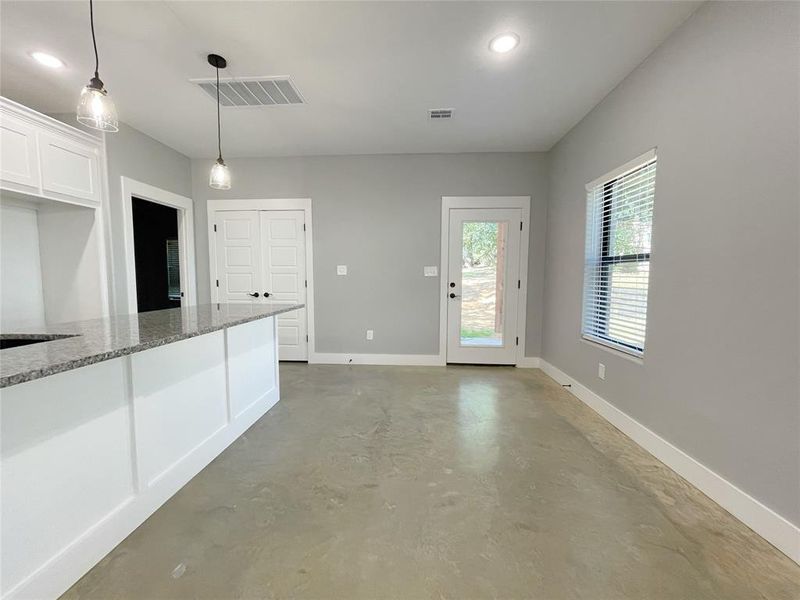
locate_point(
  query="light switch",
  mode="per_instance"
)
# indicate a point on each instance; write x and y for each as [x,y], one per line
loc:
[341,269]
[430,271]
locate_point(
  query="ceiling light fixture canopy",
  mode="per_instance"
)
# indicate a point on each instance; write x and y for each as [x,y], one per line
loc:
[504,42]
[96,108]
[220,176]
[48,60]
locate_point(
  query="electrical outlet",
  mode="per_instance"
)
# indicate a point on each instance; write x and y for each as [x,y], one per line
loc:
[430,271]
[341,269]
[370,334]
[601,370]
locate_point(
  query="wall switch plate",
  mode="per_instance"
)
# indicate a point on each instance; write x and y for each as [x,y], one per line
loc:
[601,370]
[341,269]
[430,271]
[370,334]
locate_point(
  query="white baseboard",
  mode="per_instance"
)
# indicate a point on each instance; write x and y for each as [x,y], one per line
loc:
[529,362]
[782,534]
[419,360]
[408,360]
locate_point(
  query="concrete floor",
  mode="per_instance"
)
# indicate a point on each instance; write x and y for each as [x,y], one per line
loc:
[465,482]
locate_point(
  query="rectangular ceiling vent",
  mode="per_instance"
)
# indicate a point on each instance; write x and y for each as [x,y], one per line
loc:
[254,91]
[440,113]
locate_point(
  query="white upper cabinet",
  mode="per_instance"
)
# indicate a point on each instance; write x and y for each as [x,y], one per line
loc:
[43,157]
[69,168]
[19,162]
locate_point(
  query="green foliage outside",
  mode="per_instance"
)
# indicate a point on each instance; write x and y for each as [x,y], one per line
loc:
[480,244]
[484,332]
[631,227]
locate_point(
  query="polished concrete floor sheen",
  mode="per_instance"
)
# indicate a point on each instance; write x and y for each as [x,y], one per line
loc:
[433,483]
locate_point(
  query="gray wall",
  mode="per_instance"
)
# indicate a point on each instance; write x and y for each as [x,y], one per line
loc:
[381,215]
[131,153]
[720,376]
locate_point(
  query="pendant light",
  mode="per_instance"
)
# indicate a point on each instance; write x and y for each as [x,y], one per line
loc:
[96,108]
[220,177]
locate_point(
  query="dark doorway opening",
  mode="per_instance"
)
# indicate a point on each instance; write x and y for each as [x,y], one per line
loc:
[155,246]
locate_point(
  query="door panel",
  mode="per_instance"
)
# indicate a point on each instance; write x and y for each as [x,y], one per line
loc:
[483,286]
[284,276]
[238,256]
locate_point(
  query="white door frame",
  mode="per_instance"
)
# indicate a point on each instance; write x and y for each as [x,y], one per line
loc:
[451,202]
[185,208]
[303,204]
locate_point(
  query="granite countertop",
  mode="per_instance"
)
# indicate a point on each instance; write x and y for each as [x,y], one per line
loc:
[82,343]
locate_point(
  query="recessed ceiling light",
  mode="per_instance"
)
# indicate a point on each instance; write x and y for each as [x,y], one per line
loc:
[503,43]
[48,60]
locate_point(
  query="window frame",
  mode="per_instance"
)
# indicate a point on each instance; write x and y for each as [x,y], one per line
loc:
[606,260]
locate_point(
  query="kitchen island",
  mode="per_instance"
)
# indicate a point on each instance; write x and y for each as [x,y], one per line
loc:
[108,418]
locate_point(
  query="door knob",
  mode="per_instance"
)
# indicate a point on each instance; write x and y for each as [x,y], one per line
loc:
[452,284]
[452,295]
[254,294]
[267,294]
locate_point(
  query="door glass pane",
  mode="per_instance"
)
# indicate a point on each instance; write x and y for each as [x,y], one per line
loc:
[482,282]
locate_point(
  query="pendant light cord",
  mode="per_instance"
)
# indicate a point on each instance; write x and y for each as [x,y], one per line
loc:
[94,41]
[219,128]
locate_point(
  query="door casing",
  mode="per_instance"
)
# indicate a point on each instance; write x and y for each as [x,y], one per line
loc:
[476,202]
[185,208]
[303,204]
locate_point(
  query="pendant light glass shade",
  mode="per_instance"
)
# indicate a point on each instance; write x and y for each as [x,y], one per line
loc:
[96,108]
[220,178]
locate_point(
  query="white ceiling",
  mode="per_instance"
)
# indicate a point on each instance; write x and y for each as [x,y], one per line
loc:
[369,71]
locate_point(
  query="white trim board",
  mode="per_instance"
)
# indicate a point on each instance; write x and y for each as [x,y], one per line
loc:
[418,360]
[529,362]
[304,204]
[185,207]
[451,202]
[782,534]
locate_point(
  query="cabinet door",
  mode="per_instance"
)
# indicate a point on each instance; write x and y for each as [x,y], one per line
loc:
[19,163]
[70,170]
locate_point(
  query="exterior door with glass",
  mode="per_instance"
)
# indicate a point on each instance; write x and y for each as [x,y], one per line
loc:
[483,285]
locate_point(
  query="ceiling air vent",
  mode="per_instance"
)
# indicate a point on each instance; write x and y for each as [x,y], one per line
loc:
[440,113]
[254,91]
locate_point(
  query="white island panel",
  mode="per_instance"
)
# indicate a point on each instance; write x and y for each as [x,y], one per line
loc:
[179,401]
[252,365]
[66,467]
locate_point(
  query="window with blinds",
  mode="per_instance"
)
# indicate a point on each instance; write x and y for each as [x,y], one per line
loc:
[619,224]
[173,270]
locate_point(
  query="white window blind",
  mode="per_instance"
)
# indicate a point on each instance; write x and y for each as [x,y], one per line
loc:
[619,224]
[173,270]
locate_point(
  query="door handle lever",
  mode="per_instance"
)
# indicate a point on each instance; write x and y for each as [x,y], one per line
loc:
[254,294]
[452,295]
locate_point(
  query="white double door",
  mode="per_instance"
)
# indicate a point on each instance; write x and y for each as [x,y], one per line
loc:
[261,258]
[483,285]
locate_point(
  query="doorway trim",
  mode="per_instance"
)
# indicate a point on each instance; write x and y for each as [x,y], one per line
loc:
[451,202]
[304,204]
[185,208]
